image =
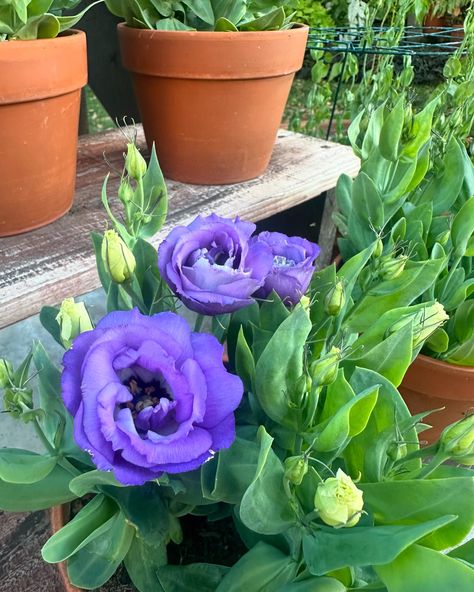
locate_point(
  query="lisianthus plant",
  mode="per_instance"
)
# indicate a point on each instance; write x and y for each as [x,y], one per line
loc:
[206,15]
[420,209]
[37,19]
[282,422]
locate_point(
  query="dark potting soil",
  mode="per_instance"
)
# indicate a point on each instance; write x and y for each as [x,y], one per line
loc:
[207,542]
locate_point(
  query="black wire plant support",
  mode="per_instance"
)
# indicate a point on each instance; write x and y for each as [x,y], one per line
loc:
[414,41]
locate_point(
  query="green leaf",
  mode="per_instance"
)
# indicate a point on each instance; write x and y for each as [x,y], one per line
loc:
[142,562]
[464,552]
[419,500]
[421,129]
[338,393]
[323,584]
[349,421]
[262,568]
[264,507]
[202,9]
[244,362]
[391,131]
[280,366]
[171,24]
[91,481]
[23,466]
[45,26]
[96,562]
[358,546]
[84,527]
[272,21]
[232,10]
[156,197]
[50,491]
[66,22]
[47,318]
[419,568]
[223,25]
[463,228]
[195,577]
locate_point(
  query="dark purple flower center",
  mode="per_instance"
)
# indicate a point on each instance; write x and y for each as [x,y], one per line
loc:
[152,406]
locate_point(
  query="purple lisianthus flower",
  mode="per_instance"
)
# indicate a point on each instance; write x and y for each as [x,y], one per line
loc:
[293,259]
[149,396]
[211,266]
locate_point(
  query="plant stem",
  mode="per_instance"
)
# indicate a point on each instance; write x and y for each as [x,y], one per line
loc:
[198,323]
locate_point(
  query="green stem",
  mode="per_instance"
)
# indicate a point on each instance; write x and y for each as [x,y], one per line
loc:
[63,462]
[434,463]
[198,323]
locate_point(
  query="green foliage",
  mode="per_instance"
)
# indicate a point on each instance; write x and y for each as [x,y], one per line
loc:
[312,13]
[205,15]
[37,19]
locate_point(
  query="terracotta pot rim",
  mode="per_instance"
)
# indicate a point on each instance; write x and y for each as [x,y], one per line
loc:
[446,367]
[297,29]
[27,72]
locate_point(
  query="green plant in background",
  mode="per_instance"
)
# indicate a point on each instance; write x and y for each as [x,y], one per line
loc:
[452,8]
[420,206]
[207,15]
[37,19]
[312,13]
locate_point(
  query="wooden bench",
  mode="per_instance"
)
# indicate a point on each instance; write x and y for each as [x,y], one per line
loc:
[56,261]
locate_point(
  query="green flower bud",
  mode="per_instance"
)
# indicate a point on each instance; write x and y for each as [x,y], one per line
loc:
[425,322]
[18,402]
[6,373]
[391,268]
[125,192]
[117,257]
[134,162]
[324,370]
[457,440]
[335,299]
[305,302]
[443,237]
[296,468]
[72,319]
[338,501]
[378,250]
[397,451]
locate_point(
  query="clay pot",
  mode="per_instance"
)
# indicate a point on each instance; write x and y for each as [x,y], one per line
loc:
[39,114]
[431,384]
[212,102]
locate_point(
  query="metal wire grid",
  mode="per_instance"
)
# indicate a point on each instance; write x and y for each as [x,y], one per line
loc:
[421,41]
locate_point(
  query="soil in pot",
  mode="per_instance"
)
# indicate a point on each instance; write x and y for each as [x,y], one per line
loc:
[40,90]
[432,384]
[212,102]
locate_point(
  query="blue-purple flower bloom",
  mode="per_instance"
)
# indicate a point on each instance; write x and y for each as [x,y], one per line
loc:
[211,266]
[149,396]
[293,265]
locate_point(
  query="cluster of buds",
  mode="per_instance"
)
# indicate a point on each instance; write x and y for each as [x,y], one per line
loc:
[457,441]
[425,321]
[72,319]
[17,396]
[117,258]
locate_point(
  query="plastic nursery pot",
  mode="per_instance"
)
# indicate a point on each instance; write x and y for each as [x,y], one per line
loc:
[431,384]
[212,102]
[40,89]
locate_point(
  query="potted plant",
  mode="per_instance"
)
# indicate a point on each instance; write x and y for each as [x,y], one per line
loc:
[442,13]
[211,80]
[43,66]
[300,445]
[419,204]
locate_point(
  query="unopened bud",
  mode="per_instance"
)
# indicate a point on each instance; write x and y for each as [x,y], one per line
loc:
[457,440]
[443,237]
[125,192]
[425,322]
[335,299]
[73,319]
[6,373]
[338,501]
[391,268]
[117,257]
[397,451]
[296,468]
[378,250]
[18,401]
[324,370]
[134,162]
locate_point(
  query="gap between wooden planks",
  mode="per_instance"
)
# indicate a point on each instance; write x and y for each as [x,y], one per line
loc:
[46,265]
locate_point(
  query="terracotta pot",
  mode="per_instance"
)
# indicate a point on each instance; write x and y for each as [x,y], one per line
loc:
[431,384]
[59,516]
[212,102]
[39,114]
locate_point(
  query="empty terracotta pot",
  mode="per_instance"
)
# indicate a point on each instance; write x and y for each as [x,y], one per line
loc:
[40,82]
[212,102]
[431,384]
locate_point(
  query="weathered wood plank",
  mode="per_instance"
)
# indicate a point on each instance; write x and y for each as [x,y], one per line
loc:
[48,264]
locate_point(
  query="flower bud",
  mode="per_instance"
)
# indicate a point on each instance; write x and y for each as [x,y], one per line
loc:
[134,162]
[335,299]
[117,257]
[324,370]
[443,237]
[72,319]
[338,501]
[6,373]
[397,451]
[425,321]
[457,440]
[378,250]
[125,192]
[391,268]
[18,401]
[305,303]
[296,468]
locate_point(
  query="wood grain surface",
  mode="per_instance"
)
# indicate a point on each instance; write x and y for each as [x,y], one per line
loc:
[46,265]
